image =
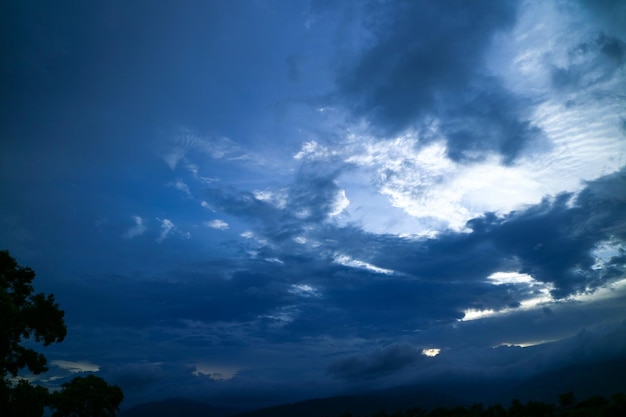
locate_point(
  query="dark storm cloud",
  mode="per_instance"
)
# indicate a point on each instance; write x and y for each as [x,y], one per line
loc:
[427,62]
[375,364]
[553,240]
[433,280]
[488,118]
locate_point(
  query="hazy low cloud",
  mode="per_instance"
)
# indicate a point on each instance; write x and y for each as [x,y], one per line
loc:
[375,364]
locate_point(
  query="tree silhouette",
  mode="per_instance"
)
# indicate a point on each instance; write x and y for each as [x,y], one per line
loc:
[26,400]
[88,396]
[25,315]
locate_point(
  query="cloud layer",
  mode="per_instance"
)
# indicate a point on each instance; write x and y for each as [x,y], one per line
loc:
[266,201]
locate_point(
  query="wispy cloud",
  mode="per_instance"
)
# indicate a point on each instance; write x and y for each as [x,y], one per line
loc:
[168,228]
[138,229]
[217,224]
[181,186]
[186,141]
[76,366]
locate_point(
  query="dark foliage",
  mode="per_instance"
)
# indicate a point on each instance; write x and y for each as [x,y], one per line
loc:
[27,315]
[596,406]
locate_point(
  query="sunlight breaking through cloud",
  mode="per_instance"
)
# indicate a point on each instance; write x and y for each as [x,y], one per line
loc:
[431,352]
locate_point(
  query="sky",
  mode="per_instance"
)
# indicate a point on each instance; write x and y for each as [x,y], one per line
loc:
[257,201]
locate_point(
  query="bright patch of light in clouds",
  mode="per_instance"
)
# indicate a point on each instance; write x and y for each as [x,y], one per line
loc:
[499,278]
[76,366]
[432,352]
[475,314]
[543,298]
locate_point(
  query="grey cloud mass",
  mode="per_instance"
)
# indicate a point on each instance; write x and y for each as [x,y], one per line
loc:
[377,363]
[430,66]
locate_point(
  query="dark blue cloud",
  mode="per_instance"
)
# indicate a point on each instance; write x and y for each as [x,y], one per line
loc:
[375,364]
[426,62]
[553,240]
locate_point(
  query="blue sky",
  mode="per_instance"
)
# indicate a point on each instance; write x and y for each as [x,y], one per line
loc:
[263,201]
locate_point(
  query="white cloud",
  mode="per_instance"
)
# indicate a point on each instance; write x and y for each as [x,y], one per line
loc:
[345,260]
[275,261]
[539,291]
[187,141]
[167,227]
[499,278]
[526,343]
[313,150]
[181,186]
[340,204]
[137,230]
[278,198]
[304,290]
[76,366]
[217,224]
[195,172]
[282,315]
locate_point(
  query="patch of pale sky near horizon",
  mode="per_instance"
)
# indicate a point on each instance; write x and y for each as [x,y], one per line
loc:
[215,372]
[76,366]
